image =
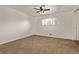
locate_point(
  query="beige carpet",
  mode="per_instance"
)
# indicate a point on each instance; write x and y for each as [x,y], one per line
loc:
[40,44]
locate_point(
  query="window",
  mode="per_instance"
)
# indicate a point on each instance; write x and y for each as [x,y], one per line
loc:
[49,21]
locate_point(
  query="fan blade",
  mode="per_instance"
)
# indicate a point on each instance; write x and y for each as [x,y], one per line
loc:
[46,9]
[37,11]
[36,8]
[42,5]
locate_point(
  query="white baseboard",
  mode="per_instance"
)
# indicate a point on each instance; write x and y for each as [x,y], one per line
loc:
[30,35]
[15,39]
[56,36]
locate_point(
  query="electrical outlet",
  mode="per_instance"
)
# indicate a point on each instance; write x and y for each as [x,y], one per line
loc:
[50,33]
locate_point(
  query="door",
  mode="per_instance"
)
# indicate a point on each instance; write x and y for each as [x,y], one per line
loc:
[76,25]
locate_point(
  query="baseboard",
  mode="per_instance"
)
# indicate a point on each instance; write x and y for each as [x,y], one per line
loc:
[54,37]
[15,39]
[30,36]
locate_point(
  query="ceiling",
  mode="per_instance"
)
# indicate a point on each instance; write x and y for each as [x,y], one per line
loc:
[28,9]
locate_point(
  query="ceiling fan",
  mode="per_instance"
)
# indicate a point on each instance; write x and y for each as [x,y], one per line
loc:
[41,9]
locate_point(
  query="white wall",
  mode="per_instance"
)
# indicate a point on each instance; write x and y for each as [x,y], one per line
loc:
[78,25]
[13,25]
[63,28]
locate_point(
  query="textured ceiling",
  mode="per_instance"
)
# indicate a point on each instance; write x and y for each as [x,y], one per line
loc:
[28,9]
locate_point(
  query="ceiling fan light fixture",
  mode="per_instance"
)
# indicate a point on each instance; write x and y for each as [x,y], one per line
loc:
[41,12]
[42,9]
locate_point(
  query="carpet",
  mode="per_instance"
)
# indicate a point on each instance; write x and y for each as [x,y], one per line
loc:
[36,44]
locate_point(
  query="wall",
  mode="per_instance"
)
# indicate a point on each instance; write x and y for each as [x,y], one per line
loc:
[63,28]
[78,24]
[13,25]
